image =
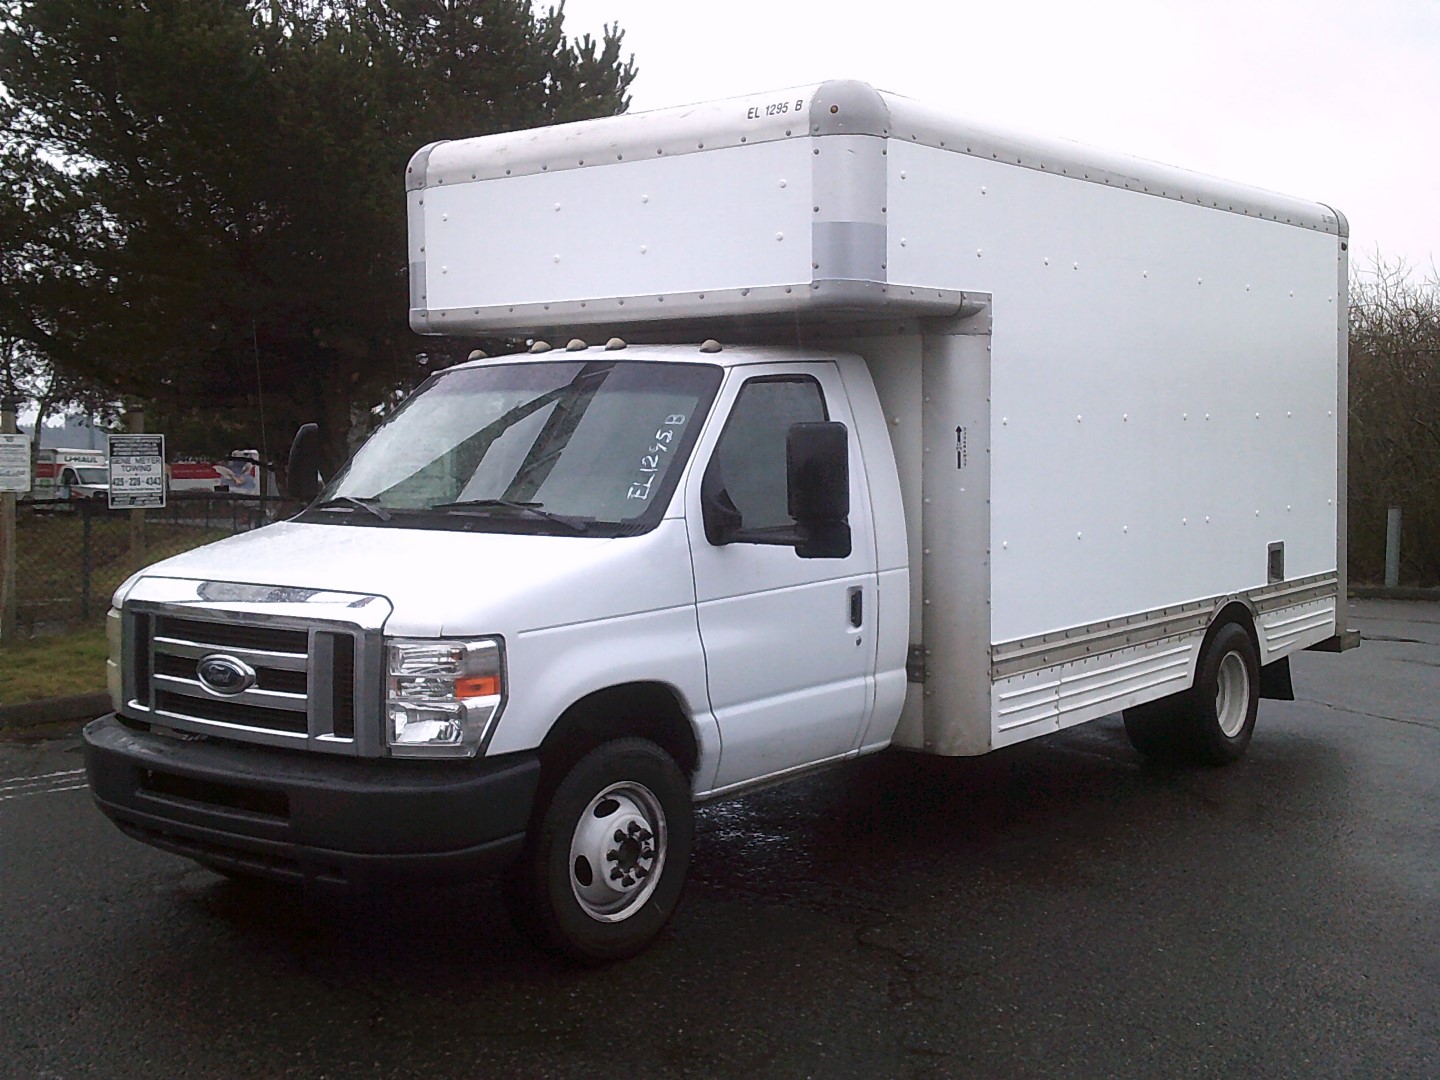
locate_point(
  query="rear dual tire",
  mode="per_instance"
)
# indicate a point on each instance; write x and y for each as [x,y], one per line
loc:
[1213,721]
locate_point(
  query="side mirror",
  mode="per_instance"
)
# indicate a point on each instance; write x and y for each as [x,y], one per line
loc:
[303,479]
[817,458]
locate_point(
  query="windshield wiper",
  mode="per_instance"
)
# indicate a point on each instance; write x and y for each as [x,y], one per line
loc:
[514,504]
[372,504]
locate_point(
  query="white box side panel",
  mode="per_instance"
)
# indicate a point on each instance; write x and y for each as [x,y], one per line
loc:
[1135,341]
[723,219]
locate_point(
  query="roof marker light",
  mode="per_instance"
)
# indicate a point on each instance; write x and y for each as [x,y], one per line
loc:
[576,345]
[614,344]
[710,345]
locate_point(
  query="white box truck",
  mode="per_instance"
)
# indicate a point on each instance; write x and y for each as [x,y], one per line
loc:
[844,425]
[65,475]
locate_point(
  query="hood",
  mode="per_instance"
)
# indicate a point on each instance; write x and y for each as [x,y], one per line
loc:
[458,583]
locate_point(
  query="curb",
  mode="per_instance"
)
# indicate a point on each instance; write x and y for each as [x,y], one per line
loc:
[63,710]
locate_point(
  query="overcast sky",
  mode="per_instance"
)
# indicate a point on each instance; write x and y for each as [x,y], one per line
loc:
[1333,101]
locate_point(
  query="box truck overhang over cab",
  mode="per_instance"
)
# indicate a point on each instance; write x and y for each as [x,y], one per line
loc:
[747,209]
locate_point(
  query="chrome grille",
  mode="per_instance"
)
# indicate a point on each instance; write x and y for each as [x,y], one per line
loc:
[305,688]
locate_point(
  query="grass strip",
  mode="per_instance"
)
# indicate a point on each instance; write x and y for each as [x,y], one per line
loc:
[33,669]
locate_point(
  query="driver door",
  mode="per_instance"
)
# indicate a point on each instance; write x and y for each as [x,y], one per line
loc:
[789,647]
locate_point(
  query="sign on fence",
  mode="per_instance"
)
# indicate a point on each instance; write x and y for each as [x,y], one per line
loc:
[15,463]
[137,471]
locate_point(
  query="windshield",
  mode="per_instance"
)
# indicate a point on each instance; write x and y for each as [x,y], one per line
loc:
[93,476]
[548,446]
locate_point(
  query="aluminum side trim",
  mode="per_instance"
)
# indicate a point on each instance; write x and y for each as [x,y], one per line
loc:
[1078,643]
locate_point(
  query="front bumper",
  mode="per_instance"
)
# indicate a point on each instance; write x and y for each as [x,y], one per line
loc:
[302,817]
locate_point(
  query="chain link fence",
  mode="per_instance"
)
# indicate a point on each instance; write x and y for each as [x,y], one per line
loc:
[71,556]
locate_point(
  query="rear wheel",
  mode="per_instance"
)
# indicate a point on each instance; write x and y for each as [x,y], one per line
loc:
[1212,722]
[605,863]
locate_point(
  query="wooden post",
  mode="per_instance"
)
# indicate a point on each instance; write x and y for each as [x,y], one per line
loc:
[8,548]
[135,424]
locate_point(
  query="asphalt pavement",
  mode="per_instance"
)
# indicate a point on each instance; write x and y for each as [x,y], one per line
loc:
[1058,909]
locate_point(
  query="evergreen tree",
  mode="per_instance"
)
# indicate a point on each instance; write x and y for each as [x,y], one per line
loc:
[203,199]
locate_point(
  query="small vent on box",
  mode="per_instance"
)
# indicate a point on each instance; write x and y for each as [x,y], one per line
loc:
[1276,561]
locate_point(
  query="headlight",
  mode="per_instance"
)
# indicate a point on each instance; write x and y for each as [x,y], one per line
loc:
[442,697]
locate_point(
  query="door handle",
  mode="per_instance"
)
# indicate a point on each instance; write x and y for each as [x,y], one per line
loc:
[857,606]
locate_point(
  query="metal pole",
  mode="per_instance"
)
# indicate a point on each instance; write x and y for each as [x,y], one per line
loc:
[1392,547]
[135,424]
[9,405]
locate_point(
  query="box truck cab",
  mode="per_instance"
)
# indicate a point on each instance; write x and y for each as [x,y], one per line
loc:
[843,426]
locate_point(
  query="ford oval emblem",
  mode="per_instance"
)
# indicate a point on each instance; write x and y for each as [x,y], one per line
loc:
[225,675]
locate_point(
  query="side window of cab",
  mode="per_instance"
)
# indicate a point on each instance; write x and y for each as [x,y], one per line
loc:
[744,488]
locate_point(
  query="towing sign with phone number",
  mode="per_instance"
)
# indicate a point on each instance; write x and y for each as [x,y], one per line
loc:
[137,471]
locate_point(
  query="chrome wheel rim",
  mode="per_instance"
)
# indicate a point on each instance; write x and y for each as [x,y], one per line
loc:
[1232,694]
[617,852]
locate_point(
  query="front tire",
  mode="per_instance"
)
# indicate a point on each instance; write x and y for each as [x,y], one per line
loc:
[605,863]
[1213,721]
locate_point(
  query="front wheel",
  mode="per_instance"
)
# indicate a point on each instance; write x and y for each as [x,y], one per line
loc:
[605,863]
